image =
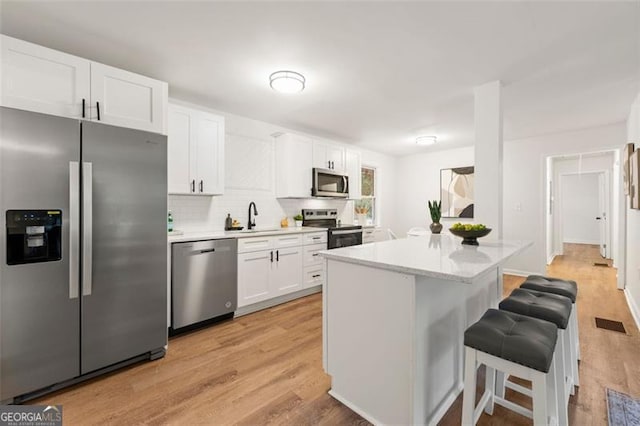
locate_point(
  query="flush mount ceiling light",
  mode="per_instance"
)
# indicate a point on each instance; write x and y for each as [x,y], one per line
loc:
[287,81]
[426,140]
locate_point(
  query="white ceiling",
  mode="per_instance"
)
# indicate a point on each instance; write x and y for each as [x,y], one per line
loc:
[378,73]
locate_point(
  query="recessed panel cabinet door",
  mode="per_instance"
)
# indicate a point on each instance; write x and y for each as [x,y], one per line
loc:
[210,155]
[254,272]
[43,80]
[126,99]
[179,149]
[287,274]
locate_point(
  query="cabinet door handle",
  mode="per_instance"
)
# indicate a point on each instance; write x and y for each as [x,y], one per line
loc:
[98,107]
[193,185]
[277,255]
[315,276]
[272,257]
[314,254]
[315,238]
[201,185]
[83,108]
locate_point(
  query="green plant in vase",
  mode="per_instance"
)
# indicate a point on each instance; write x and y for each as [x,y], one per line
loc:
[298,219]
[436,214]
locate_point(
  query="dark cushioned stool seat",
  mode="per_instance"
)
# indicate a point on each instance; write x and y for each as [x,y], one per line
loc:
[537,304]
[516,338]
[566,288]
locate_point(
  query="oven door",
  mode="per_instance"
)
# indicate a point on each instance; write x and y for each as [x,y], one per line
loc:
[344,238]
[329,183]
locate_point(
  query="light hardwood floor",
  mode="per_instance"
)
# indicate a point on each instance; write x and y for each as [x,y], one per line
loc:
[266,367]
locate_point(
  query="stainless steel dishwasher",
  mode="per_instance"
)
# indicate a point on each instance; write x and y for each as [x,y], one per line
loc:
[204,281]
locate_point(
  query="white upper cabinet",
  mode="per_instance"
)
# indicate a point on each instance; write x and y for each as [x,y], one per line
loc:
[354,171]
[43,80]
[125,99]
[209,154]
[328,156]
[36,78]
[195,152]
[294,161]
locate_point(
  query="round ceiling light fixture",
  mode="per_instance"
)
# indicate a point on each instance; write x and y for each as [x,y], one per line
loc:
[426,140]
[287,81]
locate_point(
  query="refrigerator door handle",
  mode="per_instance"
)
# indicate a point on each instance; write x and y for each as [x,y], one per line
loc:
[74,228]
[87,226]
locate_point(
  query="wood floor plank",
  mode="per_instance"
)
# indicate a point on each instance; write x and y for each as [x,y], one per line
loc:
[266,367]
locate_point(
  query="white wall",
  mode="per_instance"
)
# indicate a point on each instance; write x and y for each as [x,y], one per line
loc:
[633,224]
[418,177]
[524,185]
[201,213]
[564,166]
[580,207]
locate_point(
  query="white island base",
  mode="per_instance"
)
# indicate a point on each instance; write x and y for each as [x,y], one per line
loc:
[393,341]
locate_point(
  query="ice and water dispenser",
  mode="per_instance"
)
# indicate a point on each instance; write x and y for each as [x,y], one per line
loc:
[33,236]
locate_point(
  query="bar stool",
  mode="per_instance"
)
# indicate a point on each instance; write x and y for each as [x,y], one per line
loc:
[568,289]
[557,310]
[516,345]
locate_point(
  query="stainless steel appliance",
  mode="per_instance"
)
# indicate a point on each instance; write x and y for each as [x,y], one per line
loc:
[204,281]
[339,235]
[329,183]
[83,259]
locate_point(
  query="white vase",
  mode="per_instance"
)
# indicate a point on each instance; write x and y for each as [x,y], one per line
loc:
[362,219]
[298,223]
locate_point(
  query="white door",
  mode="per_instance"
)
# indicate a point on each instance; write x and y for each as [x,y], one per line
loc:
[126,99]
[179,146]
[254,272]
[602,215]
[287,273]
[210,155]
[38,79]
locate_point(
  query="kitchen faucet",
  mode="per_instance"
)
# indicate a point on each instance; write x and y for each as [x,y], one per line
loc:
[255,213]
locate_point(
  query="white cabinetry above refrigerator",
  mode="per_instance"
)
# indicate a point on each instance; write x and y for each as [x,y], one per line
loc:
[39,79]
[196,152]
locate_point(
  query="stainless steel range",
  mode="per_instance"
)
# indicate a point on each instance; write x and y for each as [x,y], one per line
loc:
[339,235]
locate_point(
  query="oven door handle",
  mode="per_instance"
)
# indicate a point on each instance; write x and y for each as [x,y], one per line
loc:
[345,232]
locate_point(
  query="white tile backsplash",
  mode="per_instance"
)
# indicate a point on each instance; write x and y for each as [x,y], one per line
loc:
[205,213]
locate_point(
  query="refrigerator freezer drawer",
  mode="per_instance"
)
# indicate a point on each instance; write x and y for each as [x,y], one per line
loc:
[203,281]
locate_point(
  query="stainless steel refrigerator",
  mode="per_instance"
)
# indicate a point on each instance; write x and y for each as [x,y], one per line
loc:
[83,250]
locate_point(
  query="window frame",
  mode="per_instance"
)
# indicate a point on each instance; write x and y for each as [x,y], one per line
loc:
[374,198]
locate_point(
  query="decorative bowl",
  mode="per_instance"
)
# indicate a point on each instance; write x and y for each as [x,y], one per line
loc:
[470,237]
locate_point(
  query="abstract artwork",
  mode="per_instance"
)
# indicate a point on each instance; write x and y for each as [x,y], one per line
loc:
[456,192]
[626,167]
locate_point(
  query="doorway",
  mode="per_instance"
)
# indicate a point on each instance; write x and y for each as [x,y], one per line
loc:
[582,204]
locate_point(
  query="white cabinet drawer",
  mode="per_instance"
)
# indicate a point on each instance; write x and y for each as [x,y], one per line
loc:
[315,238]
[311,256]
[254,244]
[313,276]
[287,241]
[368,235]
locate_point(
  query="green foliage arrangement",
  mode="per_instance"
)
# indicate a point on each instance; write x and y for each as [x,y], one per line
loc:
[434,209]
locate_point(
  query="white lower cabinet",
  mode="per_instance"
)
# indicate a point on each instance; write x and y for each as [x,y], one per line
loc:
[372,235]
[254,275]
[274,266]
[286,274]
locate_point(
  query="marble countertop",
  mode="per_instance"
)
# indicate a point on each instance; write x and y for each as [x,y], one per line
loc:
[440,256]
[217,235]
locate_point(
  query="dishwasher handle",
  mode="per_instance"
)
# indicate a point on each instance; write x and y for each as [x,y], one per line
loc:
[207,250]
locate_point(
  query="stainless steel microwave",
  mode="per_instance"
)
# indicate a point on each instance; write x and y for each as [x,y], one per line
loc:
[329,183]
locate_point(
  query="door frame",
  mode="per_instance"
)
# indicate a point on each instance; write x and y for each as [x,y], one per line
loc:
[607,212]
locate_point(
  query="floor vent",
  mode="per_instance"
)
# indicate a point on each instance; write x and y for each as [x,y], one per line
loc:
[605,265]
[610,325]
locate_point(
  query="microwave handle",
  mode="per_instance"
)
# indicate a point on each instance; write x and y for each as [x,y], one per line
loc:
[346,184]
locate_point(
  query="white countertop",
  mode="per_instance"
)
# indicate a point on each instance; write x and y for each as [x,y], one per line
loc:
[440,256]
[217,235]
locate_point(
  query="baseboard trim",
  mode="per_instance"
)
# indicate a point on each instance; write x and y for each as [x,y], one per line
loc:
[519,273]
[255,307]
[633,307]
[590,242]
[550,259]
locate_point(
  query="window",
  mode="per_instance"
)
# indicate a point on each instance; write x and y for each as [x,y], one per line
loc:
[365,208]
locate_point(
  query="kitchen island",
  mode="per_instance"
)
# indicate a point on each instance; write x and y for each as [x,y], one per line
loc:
[394,315]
